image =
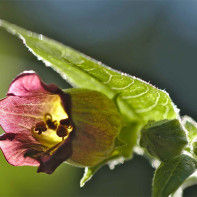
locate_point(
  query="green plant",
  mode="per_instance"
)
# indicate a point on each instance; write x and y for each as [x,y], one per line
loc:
[151,122]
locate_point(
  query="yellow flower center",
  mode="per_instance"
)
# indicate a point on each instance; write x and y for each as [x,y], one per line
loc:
[50,132]
[55,126]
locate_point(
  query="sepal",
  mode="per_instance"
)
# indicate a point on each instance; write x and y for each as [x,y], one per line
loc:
[163,139]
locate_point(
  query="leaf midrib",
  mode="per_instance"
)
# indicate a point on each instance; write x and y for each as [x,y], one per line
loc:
[166,182]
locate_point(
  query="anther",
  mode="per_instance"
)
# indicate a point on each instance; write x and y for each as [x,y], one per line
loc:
[50,123]
[65,122]
[62,131]
[40,127]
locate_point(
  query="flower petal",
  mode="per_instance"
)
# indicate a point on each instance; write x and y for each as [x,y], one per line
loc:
[14,146]
[48,163]
[29,84]
[21,113]
[27,102]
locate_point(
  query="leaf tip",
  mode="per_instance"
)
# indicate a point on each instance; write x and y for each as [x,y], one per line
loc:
[86,177]
[2,23]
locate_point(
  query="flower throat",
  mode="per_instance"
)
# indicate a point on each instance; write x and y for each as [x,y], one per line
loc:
[44,130]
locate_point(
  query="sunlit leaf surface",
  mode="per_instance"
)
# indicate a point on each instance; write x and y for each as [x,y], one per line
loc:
[136,98]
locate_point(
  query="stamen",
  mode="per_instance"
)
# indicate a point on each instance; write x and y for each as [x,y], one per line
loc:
[40,127]
[49,121]
[62,131]
[65,122]
[47,152]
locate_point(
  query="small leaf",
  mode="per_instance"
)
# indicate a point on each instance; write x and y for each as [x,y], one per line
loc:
[90,171]
[194,145]
[191,127]
[163,139]
[192,180]
[118,143]
[170,175]
[129,135]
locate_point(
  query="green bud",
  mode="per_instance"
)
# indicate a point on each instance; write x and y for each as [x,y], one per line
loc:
[163,139]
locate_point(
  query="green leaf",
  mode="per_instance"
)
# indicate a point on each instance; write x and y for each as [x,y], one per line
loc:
[88,174]
[191,127]
[190,181]
[129,135]
[164,139]
[170,175]
[136,100]
[118,143]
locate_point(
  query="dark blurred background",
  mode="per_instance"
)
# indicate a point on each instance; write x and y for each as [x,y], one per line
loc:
[154,40]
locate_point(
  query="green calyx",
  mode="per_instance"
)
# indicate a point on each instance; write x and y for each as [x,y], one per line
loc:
[97,123]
